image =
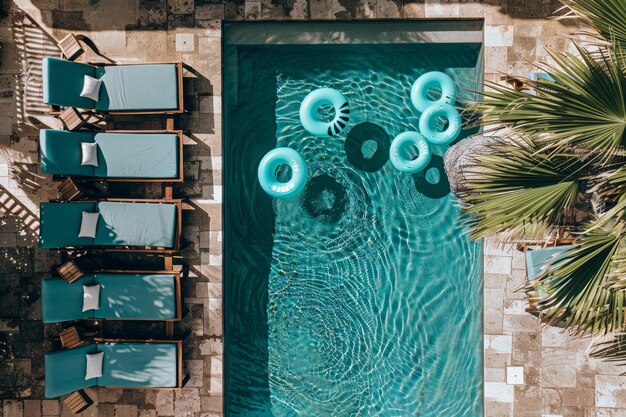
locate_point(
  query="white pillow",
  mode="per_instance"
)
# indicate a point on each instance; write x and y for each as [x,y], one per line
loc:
[91,297]
[88,224]
[90,153]
[91,88]
[94,365]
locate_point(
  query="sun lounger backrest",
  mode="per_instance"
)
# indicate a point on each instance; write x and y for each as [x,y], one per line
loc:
[60,224]
[60,152]
[63,82]
[536,259]
[61,301]
[65,371]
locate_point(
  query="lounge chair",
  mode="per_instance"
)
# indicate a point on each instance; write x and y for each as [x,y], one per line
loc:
[126,89]
[153,364]
[536,261]
[120,225]
[124,295]
[121,156]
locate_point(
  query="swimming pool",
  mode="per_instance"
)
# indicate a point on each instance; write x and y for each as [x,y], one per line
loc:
[362,296]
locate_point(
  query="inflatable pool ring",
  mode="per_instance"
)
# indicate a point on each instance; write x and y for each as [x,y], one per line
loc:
[316,199]
[267,173]
[430,190]
[353,145]
[421,87]
[430,132]
[398,148]
[320,97]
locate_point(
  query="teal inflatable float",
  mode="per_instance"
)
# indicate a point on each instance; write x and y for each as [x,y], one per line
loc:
[320,97]
[428,81]
[428,124]
[399,148]
[267,173]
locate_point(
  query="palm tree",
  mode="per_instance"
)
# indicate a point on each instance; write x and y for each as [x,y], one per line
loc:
[562,159]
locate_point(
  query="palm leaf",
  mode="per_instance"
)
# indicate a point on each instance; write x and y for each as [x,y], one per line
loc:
[514,189]
[613,350]
[578,283]
[584,108]
[608,17]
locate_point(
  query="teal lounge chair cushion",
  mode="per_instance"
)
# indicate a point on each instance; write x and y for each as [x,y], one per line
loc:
[63,82]
[139,365]
[60,224]
[65,371]
[120,155]
[136,296]
[136,224]
[60,152]
[138,87]
[536,259]
[61,301]
[137,155]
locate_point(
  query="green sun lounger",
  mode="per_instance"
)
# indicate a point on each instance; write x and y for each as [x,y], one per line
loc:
[123,296]
[122,225]
[131,88]
[126,364]
[142,156]
[537,259]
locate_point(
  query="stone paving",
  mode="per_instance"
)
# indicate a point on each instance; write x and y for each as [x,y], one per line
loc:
[530,370]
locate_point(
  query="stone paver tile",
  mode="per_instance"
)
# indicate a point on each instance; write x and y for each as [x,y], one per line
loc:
[211,347]
[165,403]
[513,323]
[437,9]
[610,391]
[123,410]
[498,264]
[50,407]
[212,404]
[32,408]
[497,409]
[515,375]
[414,9]
[499,35]
[558,368]
[578,397]
[195,371]
[498,344]
[216,376]
[495,374]
[515,285]
[494,281]
[13,408]
[187,402]
[185,42]
[495,247]
[499,392]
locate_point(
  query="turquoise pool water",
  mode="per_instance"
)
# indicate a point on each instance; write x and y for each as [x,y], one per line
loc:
[362,296]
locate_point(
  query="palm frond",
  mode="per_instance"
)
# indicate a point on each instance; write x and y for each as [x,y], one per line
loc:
[585,107]
[608,17]
[577,283]
[613,350]
[514,189]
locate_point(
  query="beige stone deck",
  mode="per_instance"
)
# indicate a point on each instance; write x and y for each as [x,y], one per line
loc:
[530,370]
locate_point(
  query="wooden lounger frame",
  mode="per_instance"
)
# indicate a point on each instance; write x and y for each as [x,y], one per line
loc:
[54,110]
[179,178]
[141,249]
[179,359]
[177,294]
